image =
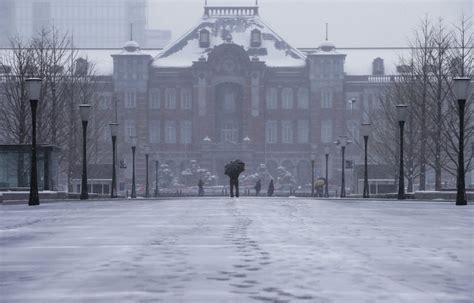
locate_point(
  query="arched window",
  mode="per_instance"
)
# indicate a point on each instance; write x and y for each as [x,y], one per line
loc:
[170,98]
[204,38]
[303,98]
[256,38]
[287,98]
[186,99]
[272,98]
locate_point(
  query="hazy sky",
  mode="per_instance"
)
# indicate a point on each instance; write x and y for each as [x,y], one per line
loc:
[352,23]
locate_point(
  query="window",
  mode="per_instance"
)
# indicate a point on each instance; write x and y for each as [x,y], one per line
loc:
[104,133]
[230,132]
[170,132]
[130,129]
[186,99]
[271,131]
[303,131]
[155,99]
[272,98]
[326,131]
[256,38]
[170,101]
[353,128]
[287,98]
[326,99]
[229,105]
[154,131]
[130,99]
[287,132]
[186,132]
[303,98]
[105,101]
[204,40]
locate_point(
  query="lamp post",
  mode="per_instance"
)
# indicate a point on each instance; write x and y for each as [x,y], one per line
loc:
[114,131]
[343,142]
[365,129]
[402,111]
[85,110]
[326,186]
[313,156]
[147,183]
[461,91]
[157,167]
[133,141]
[33,91]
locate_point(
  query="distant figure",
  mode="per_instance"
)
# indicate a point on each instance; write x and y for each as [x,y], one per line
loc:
[233,170]
[271,188]
[201,187]
[258,187]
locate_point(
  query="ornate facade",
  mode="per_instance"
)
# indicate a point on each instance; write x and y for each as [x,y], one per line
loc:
[233,88]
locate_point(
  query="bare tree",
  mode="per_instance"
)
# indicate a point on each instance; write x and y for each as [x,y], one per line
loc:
[422,46]
[461,58]
[67,82]
[438,95]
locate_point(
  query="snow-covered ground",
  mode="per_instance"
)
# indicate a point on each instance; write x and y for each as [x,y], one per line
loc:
[246,250]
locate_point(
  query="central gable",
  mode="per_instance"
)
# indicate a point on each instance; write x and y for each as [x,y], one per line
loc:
[241,26]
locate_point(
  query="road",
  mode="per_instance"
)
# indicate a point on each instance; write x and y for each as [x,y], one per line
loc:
[237,250]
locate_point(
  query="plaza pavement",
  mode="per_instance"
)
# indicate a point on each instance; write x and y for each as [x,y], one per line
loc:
[237,250]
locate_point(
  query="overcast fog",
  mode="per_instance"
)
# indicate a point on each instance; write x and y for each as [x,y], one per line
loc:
[352,23]
[272,151]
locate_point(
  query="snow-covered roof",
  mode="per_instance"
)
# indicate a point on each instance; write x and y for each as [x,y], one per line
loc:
[231,24]
[358,60]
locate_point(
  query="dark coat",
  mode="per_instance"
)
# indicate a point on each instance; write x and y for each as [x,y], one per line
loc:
[258,186]
[271,189]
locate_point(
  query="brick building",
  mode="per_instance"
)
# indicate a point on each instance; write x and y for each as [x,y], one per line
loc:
[233,88]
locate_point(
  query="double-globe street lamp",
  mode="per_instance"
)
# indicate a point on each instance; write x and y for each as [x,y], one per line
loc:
[461,92]
[365,130]
[313,158]
[343,142]
[133,141]
[157,167]
[33,91]
[84,110]
[326,186]
[147,183]
[402,112]
[114,128]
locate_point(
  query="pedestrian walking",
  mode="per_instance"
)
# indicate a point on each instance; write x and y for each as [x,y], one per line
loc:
[201,187]
[271,188]
[258,187]
[233,170]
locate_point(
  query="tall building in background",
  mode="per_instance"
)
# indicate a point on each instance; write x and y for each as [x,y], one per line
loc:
[95,24]
[6,20]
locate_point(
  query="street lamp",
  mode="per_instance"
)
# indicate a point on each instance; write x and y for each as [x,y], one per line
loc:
[157,166]
[85,111]
[461,91]
[343,142]
[313,158]
[326,187]
[33,91]
[402,112]
[365,130]
[147,183]
[114,128]
[133,141]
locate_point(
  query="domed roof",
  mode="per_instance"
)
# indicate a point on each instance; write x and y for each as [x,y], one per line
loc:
[131,46]
[327,46]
